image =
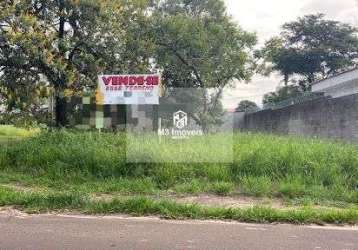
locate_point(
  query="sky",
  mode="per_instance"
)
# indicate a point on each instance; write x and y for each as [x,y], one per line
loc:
[265,17]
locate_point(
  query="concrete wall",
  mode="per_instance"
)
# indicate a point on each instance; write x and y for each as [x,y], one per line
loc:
[325,117]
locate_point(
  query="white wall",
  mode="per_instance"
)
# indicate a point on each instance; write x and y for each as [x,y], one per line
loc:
[340,85]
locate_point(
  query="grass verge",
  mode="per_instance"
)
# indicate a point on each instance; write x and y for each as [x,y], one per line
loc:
[143,206]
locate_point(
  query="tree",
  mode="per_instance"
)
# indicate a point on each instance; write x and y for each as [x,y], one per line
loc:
[199,46]
[66,44]
[282,94]
[63,45]
[247,106]
[312,48]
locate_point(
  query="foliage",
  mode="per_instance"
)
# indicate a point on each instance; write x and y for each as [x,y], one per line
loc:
[200,46]
[282,94]
[198,38]
[312,48]
[65,44]
[247,106]
[27,119]
[58,47]
[194,101]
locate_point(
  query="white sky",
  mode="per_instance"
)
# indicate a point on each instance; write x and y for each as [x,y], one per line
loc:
[265,18]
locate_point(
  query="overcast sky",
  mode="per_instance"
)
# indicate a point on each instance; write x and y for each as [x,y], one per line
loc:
[265,18]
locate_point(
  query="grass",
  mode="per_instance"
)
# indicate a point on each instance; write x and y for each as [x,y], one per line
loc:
[256,186]
[79,165]
[197,186]
[10,133]
[216,148]
[141,206]
[168,209]
[263,166]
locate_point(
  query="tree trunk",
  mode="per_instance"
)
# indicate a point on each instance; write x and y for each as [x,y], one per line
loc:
[60,110]
[61,103]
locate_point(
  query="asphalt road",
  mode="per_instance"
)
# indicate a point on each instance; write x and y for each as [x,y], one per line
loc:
[80,232]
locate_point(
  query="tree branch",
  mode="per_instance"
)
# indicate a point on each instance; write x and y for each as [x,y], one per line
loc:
[181,58]
[216,101]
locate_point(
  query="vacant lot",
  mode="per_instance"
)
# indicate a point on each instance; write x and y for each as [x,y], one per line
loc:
[272,178]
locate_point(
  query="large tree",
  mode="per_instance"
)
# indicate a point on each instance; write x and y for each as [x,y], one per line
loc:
[312,48]
[247,106]
[65,44]
[200,46]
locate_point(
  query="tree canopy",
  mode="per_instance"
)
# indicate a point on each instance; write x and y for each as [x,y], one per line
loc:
[199,46]
[247,106]
[65,44]
[312,48]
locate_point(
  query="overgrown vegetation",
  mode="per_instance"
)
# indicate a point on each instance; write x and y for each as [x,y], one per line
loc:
[83,165]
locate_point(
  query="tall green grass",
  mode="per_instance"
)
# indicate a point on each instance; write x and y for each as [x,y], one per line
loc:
[298,166]
[263,165]
[214,148]
[11,131]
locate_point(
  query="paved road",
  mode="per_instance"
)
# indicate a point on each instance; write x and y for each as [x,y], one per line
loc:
[80,232]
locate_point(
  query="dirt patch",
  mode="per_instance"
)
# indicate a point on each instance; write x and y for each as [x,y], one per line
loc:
[16,186]
[106,197]
[230,202]
[206,200]
[11,212]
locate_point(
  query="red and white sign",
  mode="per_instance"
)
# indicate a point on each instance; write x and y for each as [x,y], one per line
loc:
[129,89]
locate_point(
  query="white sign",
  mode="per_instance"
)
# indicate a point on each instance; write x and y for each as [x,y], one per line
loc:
[128,89]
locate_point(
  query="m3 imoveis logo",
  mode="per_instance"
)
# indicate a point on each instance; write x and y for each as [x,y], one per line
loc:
[180,119]
[179,129]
